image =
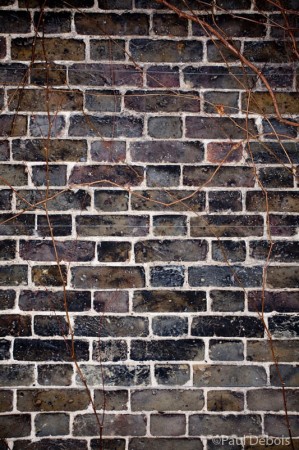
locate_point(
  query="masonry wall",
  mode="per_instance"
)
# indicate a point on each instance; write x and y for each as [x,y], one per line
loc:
[149,227]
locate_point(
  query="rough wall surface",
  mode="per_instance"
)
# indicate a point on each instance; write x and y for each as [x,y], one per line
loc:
[149,232]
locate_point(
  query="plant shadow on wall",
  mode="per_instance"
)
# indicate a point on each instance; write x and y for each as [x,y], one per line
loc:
[181,146]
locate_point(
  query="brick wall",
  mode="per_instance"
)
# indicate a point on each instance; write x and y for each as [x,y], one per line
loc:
[141,155]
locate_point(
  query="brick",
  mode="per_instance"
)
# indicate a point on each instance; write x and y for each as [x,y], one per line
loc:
[103,101]
[44,127]
[283,225]
[169,326]
[227,326]
[49,350]
[229,376]
[261,102]
[288,372]
[62,200]
[221,102]
[58,150]
[4,150]
[168,425]
[289,4]
[286,201]
[53,22]
[232,276]
[61,225]
[283,301]
[120,175]
[169,25]
[282,277]
[109,444]
[165,127]
[167,276]
[12,73]
[163,176]
[151,4]
[169,301]
[165,101]
[12,125]
[5,204]
[279,77]
[52,424]
[2,47]
[7,250]
[166,444]
[7,298]
[218,128]
[231,350]
[15,425]
[273,153]
[114,400]
[252,25]
[52,75]
[167,350]
[108,277]
[40,100]
[276,425]
[170,250]
[161,51]
[167,151]
[286,350]
[6,398]
[15,325]
[278,177]
[111,326]
[102,75]
[18,21]
[272,399]
[163,76]
[225,425]
[225,201]
[54,174]
[107,351]
[109,126]
[268,52]
[66,251]
[107,49]
[167,225]
[226,226]
[52,399]
[170,200]
[13,275]
[16,375]
[112,24]
[119,4]
[273,129]
[117,375]
[222,300]
[281,251]
[5,346]
[58,49]
[114,251]
[220,177]
[223,400]
[119,424]
[50,326]
[13,174]
[213,77]
[56,444]
[49,275]
[229,251]
[283,326]
[172,374]
[108,151]
[54,374]
[217,52]
[167,400]
[111,301]
[112,225]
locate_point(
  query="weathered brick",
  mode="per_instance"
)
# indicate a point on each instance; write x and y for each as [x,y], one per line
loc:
[272,399]
[57,150]
[49,275]
[108,151]
[283,301]
[41,100]
[114,251]
[57,4]
[61,201]
[169,301]
[102,75]
[54,174]
[167,225]
[268,52]
[117,424]
[53,22]
[117,375]
[112,24]
[111,326]
[287,201]
[224,350]
[168,424]
[217,52]
[170,326]
[15,325]
[145,50]
[288,4]
[283,225]
[170,200]
[109,444]
[225,201]
[107,351]
[108,277]
[56,444]
[227,226]
[103,101]
[15,425]
[166,444]
[284,326]
[213,77]
[50,326]
[286,350]
[16,21]
[4,150]
[66,251]
[169,25]
[219,128]
[13,174]
[229,251]
[221,102]
[112,225]
[13,275]
[275,129]
[7,298]
[279,77]
[12,73]
[222,300]
[109,126]
[16,375]
[170,250]
[7,250]
[281,251]
[282,277]
[220,177]
[2,47]
[57,49]
[119,4]
[223,400]
[288,372]
[262,103]
[13,125]
[104,175]
[227,326]
[167,276]
[252,25]
[167,350]
[52,424]
[225,425]
[163,76]
[55,374]
[44,126]
[165,127]
[279,177]
[61,225]
[276,425]
[167,400]
[165,101]
[7,221]
[224,276]
[113,400]
[107,49]
[272,152]
[229,375]
[6,398]
[163,176]
[111,301]
[172,374]
[52,399]
[167,151]
[49,350]
[5,347]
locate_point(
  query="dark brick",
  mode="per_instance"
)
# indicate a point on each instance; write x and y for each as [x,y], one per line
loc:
[286,351]
[163,176]
[2,47]
[167,151]
[16,375]
[218,176]
[55,175]
[49,275]
[225,425]
[102,75]
[284,301]
[57,49]
[167,350]
[4,150]
[252,25]
[274,129]
[115,225]
[166,444]
[57,4]
[18,21]
[284,326]
[268,52]
[172,374]
[109,444]
[50,326]
[52,399]
[167,276]
[114,251]
[7,250]
[168,424]
[228,251]
[120,175]
[283,225]
[56,444]
[278,424]
[279,77]
[232,276]
[167,399]
[107,50]
[6,398]
[221,102]
[111,326]
[219,128]
[52,424]
[165,127]
[55,374]
[262,103]
[15,325]
[107,351]
[169,326]
[111,301]
[174,250]
[273,152]
[118,4]
[41,100]
[163,76]
[49,350]
[62,200]
[13,275]
[166,101]
[288,372]
[103,101]
[61,225]
[234,326]
[227,226]
[212,77]
[145,50]
[51,75]
[12,73]
[225,401]
[169,301]
[4,351]
[229,375]
[109,126]
[108,151]
[265,6]
[226,301]
[7,221]
[108,277]
[278,177]
[169,25]
[66,251]
[282,277]
[53,22]
[169,225]
[226,350]
[112,24]
[286,201]
[170,200]
[13,174]
[117,375]
[15,425]
[281,251]
[58,150]
[151,4]
[7,299]
[217,52]
[225,201]
[272,399]
[117,424]
[13,125]
[44,127]
[112,400]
